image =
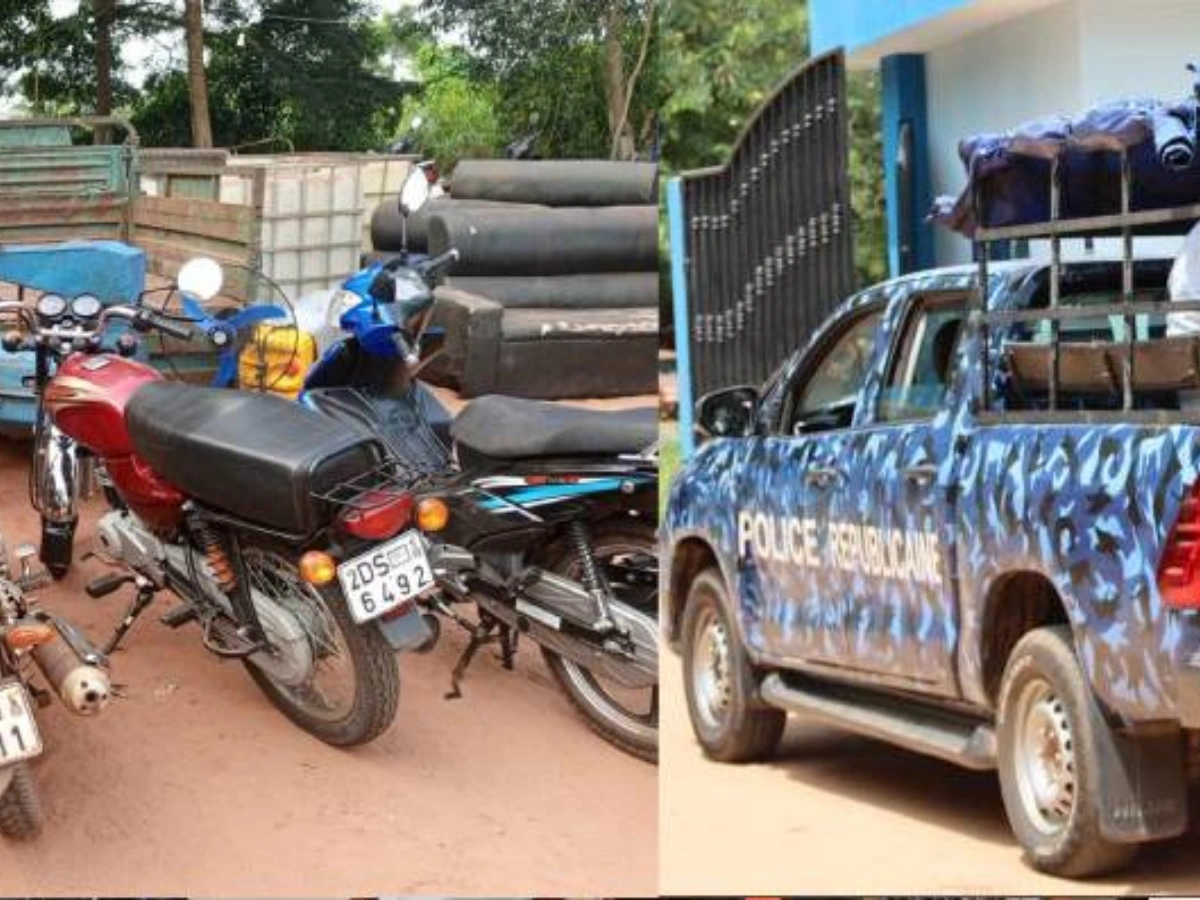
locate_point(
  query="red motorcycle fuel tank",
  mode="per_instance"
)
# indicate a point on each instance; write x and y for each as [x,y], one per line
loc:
[86,399]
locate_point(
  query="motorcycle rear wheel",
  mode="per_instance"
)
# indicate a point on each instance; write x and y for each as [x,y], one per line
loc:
[20,806]
[357,656]
[628,729]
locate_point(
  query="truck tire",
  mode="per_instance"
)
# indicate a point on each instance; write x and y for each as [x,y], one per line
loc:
[729,720]
[1049,766]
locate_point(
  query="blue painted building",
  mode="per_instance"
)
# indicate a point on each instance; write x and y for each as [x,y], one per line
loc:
[950,68]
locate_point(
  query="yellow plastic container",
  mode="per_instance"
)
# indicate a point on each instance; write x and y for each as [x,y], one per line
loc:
[276,359]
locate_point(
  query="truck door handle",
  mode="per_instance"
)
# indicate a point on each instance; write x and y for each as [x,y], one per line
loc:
[821,476]
[922,474]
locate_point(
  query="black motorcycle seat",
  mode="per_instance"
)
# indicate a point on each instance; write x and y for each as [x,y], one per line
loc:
[512,428]
[258,457]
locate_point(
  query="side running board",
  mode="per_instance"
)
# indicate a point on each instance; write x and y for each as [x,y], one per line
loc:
[956,739]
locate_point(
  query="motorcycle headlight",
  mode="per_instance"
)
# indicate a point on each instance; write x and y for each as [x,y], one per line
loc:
[343,301]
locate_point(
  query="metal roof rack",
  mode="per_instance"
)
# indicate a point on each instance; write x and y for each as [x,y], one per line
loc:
[1126,223]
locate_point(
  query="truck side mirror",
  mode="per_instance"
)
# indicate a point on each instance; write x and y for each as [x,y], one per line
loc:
[730,412]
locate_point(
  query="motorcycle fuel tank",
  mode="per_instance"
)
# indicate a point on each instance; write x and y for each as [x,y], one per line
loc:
[87,398]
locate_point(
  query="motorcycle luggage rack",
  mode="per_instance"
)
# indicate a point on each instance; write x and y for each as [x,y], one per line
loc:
[1125,223]
[374,488]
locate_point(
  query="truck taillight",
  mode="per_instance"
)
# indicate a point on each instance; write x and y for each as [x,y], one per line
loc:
[378,515]
[1179,572]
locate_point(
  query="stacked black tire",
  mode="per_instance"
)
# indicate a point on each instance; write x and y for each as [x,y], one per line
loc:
[556,291]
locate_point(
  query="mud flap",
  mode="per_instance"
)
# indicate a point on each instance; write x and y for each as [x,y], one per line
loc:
[1143,793]
[407,631]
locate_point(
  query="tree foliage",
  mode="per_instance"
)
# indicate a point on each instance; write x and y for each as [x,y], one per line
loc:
[301,73]
[458,112]
[720,61]
[571,64]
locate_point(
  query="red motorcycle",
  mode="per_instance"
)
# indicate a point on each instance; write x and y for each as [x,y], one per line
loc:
[287,539]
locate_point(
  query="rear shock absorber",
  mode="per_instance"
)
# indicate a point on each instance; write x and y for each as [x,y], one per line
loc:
[593,578]
[209,543]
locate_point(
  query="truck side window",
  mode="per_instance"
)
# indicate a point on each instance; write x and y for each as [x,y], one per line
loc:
[827,393]
[920,370]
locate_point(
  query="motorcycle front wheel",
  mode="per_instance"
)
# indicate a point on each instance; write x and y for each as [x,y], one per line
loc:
[336,679]
[626,718]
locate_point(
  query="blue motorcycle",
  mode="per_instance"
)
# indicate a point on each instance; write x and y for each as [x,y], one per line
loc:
[540,515]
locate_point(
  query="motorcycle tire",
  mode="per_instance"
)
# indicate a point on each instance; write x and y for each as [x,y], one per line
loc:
[58,547]
[628,731]
[376,675]
[21,812]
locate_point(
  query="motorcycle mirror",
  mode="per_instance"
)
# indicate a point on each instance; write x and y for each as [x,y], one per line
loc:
[414,192]
[201,277]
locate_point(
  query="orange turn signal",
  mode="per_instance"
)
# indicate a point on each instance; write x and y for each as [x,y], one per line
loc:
[27,635]
[317,567]
[432,514]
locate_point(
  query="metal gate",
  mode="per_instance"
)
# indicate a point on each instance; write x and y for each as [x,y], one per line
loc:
[761,246]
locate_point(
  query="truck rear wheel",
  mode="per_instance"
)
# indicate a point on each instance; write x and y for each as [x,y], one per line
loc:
[729,720]
[1049,767]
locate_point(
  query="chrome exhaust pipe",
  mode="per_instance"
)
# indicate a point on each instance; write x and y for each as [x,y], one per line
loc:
[83,688]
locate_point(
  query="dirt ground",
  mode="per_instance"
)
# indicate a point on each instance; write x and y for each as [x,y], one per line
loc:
[192,784]
[837,814]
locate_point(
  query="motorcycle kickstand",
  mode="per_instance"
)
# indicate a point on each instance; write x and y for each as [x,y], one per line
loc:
[141,600]
[508,646]
[481,634]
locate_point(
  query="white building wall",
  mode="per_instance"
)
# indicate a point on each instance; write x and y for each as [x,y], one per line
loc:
[1059,59]
[992,80]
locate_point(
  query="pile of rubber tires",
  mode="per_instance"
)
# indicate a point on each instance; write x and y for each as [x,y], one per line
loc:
[556,290]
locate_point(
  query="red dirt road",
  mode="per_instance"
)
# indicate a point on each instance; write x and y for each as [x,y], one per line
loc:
[192,784]
[834,814]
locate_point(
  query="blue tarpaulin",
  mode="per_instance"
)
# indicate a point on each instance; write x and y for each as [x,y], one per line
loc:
[114,272]
[1012,170]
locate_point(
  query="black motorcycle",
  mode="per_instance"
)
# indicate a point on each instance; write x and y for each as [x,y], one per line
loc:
[543,516]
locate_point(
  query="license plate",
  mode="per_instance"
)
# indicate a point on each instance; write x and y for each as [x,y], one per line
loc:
[383,578]
[19,738]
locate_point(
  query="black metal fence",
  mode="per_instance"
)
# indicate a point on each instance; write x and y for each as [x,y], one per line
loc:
[768,244]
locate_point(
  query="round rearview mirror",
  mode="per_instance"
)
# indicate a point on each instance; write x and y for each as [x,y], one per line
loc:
[201,277]
[414,192]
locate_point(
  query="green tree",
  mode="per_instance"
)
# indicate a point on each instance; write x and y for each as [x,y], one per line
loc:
[721,61]
[302,73]
[457,109]
[586,68]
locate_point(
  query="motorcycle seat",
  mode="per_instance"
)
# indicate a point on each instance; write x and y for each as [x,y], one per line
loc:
[258,457]
[500,427]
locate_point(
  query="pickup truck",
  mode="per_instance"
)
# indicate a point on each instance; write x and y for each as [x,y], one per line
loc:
[957,553]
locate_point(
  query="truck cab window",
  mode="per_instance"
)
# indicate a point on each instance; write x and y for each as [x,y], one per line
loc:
[827,391]
[920,371]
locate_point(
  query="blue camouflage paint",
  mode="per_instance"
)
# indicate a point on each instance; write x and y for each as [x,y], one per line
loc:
[1087,506]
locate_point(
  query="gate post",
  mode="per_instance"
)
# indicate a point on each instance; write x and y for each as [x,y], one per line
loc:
[676,219]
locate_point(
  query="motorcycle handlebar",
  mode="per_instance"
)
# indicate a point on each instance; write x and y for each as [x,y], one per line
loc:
[175,329]
[435,266]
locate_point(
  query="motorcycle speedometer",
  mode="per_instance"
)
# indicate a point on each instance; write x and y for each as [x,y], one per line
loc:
[86,306]
[51,306]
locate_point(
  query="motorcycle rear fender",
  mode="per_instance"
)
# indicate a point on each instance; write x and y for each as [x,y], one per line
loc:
[406,631]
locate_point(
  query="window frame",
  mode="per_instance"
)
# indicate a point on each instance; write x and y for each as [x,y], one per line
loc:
[915,306]
[784,423]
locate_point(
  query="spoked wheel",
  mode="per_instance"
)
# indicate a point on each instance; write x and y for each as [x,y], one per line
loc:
[20,807]
[335,679]
[626,718]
